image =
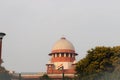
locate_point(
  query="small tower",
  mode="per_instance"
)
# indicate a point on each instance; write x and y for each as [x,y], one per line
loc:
[1,37]
[62,54]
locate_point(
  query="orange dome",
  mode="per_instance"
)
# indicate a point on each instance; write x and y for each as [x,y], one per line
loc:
[63,45]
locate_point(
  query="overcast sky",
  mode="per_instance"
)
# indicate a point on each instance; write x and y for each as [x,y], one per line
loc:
[33,26]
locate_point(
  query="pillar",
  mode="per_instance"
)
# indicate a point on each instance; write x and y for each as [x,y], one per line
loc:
[1,37]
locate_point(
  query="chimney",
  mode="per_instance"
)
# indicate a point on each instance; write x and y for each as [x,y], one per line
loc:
[1,37]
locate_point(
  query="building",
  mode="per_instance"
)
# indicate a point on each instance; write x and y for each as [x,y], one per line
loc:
[62,59]
[61,64]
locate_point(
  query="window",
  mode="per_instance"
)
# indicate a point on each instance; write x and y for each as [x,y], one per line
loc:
[71,55]
[67,54]
[62,54]
[57,54]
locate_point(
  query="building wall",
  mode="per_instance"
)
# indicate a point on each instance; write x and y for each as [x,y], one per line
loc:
[66,71]
[67,65]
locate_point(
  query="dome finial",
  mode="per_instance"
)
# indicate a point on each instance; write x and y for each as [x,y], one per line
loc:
[63,37]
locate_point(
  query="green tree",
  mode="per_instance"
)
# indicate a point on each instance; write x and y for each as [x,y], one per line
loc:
[45,77]
[97,61]
[4,75]
[116,58]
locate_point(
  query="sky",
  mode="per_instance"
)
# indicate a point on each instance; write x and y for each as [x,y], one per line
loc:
[33,26]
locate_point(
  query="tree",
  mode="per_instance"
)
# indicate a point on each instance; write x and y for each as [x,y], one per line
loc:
[4,75]
[116,58]
[97,61]
[45,77]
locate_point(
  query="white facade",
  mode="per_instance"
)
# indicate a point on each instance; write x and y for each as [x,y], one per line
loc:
[67,65]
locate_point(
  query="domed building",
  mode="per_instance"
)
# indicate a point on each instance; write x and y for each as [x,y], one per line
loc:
[61,64]
[62,58]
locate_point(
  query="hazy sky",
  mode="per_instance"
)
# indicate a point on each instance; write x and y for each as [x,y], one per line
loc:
[33,26]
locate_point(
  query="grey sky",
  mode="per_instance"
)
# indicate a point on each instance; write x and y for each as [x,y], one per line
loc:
[33,26]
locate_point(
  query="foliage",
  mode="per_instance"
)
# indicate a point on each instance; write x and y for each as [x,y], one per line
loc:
[4,75]
[67,78]
[99,63]
[45,77]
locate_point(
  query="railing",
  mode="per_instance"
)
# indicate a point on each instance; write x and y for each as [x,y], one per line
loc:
[21,76]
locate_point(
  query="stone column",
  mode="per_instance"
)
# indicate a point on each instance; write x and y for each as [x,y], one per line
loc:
[69,55]
[59,54]
[55,54]
[1,37]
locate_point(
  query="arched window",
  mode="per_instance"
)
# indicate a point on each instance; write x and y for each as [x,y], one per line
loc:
[67,54]
[57,54]
[62,54]
[71,55]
